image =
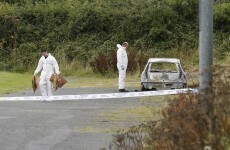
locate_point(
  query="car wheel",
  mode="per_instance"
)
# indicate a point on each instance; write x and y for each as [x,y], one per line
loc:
[185,85]
[143,88]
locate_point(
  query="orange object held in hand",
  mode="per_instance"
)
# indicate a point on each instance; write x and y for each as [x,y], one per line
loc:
[58,81]
[35,83]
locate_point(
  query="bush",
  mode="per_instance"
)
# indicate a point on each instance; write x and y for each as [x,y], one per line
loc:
[100,64]
[95,27]
[25,57]
[221,17]
[104,63]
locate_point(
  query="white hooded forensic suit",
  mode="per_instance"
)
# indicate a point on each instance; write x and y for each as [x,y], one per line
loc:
[122,62]
[48,65]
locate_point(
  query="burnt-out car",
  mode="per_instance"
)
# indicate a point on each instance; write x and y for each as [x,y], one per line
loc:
[163,74]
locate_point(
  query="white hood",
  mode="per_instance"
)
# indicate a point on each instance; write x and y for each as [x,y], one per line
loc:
[119,46]
[121,55]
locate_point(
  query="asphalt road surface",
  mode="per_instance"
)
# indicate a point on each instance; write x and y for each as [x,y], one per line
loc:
[60,125]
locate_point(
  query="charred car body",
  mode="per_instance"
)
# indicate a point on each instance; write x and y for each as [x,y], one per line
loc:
[163,74]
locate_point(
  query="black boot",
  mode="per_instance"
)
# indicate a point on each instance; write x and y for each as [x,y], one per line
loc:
[123,90]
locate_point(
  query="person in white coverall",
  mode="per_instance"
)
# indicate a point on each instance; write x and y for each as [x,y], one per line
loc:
[48,64]
[122,63]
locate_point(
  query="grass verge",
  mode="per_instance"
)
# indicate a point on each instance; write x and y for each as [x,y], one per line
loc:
[121,119]
[101,81]
[12,82]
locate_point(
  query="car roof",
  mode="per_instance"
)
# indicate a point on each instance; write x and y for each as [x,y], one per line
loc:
[171,60]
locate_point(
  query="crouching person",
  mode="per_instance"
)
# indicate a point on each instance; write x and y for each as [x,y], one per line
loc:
[48,64]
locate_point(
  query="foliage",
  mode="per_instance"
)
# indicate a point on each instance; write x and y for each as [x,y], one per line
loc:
[222,37]
[22,58]
[100,64]
[86,28]
[104,63]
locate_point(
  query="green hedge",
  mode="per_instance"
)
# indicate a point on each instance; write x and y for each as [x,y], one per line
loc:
[85,28]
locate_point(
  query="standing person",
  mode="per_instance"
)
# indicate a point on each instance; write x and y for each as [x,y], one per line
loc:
[122,62]
[48,64]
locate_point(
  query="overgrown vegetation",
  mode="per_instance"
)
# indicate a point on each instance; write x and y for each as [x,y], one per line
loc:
[79,32]
[189,122]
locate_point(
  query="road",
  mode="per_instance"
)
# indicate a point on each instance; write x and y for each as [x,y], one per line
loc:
[61,125]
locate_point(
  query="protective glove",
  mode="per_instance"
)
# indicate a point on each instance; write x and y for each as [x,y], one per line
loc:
[35,73]
[122,67]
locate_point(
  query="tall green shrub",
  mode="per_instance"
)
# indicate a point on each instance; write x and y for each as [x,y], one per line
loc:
[89,27]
